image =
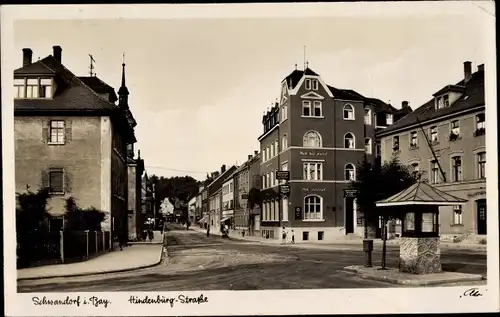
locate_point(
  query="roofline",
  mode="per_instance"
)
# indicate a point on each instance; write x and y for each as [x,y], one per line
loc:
[416,125]
[65,112]
[417,202]
[268,132]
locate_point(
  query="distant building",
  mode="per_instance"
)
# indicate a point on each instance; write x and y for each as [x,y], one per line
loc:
[72,138]
[198,213]
[227,217]
[214,196]
[445,139]
[192,210]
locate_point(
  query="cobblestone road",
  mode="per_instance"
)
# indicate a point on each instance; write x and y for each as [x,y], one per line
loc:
[197,262]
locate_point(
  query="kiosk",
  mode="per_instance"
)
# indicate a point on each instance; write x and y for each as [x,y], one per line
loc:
[418,209]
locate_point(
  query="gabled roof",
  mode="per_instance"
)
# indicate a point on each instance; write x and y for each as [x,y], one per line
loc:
[421,193]
[454,88]
[472,97]
[36,68]
[293,79]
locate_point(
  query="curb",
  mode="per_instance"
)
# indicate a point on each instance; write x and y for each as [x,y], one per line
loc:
[160,260]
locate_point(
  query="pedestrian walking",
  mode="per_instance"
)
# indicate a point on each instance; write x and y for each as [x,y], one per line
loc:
[208,231]
[283,236]
[293,237]
[151,235]
[122,241]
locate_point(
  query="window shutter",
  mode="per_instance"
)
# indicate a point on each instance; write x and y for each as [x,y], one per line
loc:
[45,132]
[68,136]
[45,179]
[67,184]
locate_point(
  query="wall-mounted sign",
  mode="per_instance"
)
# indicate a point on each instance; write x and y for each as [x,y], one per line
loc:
[283,175]
[298,213]
[314,153]
[305,189]
[285,189]
[350,193]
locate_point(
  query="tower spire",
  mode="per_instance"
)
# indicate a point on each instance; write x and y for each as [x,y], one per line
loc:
[123,91]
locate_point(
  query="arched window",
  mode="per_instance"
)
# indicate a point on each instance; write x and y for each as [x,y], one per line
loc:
[348,112]
[349,142]
[350,172]
[284,142]
[313,207]
[312,139]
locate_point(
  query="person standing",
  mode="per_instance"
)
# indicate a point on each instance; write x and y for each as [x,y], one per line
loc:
[293,237]
[283,236]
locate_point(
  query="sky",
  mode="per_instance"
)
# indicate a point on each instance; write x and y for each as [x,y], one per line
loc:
[199,87]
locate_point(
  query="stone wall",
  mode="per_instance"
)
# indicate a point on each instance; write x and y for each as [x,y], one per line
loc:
[420,255]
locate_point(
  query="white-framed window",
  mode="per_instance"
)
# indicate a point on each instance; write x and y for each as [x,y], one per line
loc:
[268,179]
[284,207]
[348,112]
[480,121]
[276,210]
[368,116]
[57,132]
[389,119]
[315,84]
[368,146]
[264,185]
[413,139]
[268,153]
[273,178]
[272,150]
[272,210]
[313,207]
[284,142]
[306,108]
[264,211]
[349,142]
[284,167]
[350,172]
[20,88]
[434,133]
[481,165]
[277,146]
[457,215]
[312,171]
[456,168]
[32,88]
[56,181]
[317,109]
[395,143]
[434,172]
[455,127]
[312,139]
[308,84]
[45,90]
[284,113]
[446,101]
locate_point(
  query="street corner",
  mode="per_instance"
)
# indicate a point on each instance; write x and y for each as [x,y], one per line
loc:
[394,276]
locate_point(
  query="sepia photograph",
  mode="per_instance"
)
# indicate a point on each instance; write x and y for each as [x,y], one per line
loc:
[158,160]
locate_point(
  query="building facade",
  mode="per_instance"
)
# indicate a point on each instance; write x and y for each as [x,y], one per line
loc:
[445,140]
[227,192]
[319,134]
[214,197]
[71,139]
[198,212]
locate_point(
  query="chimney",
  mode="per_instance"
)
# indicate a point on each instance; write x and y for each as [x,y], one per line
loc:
[216,174]
[480,68]
[255,153]
[404,104]
[27,55]
[57,50]
[250,157]
[467,71]
[222,169]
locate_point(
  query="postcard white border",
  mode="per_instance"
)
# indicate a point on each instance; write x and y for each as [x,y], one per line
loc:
[336,301]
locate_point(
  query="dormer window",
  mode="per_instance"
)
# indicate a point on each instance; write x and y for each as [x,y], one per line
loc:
[389,119]
[442,102]
[311,84]
[31,88]
[446,101]
[315,84]
[308,84]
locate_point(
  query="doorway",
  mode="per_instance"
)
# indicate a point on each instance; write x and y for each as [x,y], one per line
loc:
[349,215]
[481,216]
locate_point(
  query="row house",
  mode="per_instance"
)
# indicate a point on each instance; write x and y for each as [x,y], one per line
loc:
[227,192]
[445,140]
[191,210]
[71,139]
[213,199]
[198,212]
[319,134]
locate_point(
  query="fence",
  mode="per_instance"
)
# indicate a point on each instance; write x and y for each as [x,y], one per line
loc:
[60,247]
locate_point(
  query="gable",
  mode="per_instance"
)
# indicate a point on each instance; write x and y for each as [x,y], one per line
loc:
[312,95]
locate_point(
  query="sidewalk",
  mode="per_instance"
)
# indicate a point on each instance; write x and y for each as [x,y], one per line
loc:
[339,244]
[134,257]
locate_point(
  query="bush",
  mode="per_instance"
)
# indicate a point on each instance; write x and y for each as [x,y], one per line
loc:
[482,241]
[78,219]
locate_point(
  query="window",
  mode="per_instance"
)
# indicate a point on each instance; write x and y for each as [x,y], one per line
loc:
[368,116]
[276,146]
[413,139]
[32,88]
[481,165]
[306,108]
[57,132]
[415,168]
[315,84]
[313,208]
[284,142]
[284,113]
[312,139]
[272,150]
[434,172]
[455,127]
[456,165]
[480,124]
[446,101]
[378,151]
[284,204]
[368,145]
[20,88]
[348,112]
[313,171]
[388,119]
[317,109]
[273,178]
[457,215]
[45,90]
[268,180]
[272,210]
[308,84]
[349,141]
[268,156]
[321,234]
[350,174]
[439,103]
[434,134]
[305,235]
[56,181]
[276,216]
[395,143]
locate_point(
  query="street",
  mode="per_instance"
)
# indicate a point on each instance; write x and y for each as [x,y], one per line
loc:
[198,262]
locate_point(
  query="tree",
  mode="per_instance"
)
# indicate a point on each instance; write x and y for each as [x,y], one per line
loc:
[78,219]
[375,183]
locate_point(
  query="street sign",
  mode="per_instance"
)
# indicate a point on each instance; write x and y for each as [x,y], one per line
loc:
[244,196]
[285,189]
[350,193]
[283,175]
[298,213]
